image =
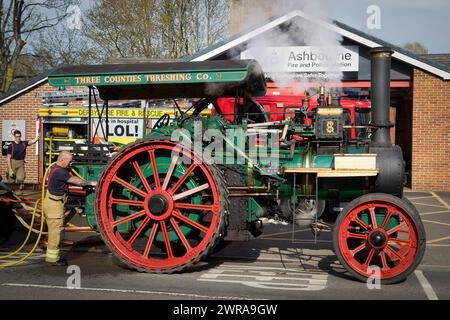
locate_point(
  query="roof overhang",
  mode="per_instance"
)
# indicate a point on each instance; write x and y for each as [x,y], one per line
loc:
[25,89]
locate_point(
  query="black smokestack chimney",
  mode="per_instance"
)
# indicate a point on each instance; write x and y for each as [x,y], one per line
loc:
[380,95]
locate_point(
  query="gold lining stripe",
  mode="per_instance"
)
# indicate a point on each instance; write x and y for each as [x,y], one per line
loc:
[328,172]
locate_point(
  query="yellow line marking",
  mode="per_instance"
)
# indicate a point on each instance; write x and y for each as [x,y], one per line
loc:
[441,200]
[280,233]
[428,205]
[417,198]
[437,222]
[438,239]
[434,212]
[295,240]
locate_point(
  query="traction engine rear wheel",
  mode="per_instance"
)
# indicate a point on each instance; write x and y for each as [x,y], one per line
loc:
[379,230]
[156,213]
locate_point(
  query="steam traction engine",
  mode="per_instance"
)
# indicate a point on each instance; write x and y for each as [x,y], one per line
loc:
[165,202]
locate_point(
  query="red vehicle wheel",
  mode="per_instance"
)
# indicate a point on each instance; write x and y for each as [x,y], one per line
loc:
[379,230]
[157,214]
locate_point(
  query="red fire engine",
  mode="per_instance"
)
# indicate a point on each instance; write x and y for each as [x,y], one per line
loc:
[278,107]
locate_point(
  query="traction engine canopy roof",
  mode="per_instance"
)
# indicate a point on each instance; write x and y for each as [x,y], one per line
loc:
[220,78]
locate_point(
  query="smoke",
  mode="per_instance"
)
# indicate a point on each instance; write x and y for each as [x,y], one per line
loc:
[214,90]
[308,31]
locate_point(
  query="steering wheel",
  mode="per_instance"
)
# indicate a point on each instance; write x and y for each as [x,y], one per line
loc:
[163,121]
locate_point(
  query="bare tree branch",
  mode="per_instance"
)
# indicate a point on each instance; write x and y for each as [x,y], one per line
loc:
[156,29]
[20,20]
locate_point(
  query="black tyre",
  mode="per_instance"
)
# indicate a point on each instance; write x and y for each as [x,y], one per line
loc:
[178,210]
[379,230]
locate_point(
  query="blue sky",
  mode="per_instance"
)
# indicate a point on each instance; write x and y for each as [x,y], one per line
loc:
[402,21]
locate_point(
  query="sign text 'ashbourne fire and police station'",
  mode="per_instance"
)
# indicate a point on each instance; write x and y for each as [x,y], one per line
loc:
[305,58]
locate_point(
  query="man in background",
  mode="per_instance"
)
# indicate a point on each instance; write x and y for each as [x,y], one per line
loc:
[16,158]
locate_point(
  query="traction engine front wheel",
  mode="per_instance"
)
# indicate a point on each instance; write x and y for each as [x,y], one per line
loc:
[158,213]
[379,235]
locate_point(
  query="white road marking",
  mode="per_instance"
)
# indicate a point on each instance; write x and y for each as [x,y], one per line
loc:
[36,254]
[431,295]
[30,260]
[417,198]
[271,278]
[26,262]
[178,294]
[441,200]
[434,212]
[259,259]
[436,222]
[427,205]
[438,240]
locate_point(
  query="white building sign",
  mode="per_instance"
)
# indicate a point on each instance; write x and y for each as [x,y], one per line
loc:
[8,128]
[305,58]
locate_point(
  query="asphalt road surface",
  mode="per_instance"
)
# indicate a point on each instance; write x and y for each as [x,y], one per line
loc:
[284,263]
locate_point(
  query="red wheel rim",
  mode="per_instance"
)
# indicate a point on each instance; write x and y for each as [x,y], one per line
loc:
[162,206]
[392,249]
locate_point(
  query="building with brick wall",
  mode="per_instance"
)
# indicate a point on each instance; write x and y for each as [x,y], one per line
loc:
[420,87]
[23,103]
[430,132]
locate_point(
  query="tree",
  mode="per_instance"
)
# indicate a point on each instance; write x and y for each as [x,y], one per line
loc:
[217,19]
[156,29]
[20,20]
[119,29]
[416,47]
[67,46]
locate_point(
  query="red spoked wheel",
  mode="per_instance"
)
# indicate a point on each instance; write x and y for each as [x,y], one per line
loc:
[156,213]
[379,234]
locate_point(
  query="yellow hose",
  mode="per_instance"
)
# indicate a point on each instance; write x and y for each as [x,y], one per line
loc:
[16,262]
[28,235]
[76,173]
[50,151]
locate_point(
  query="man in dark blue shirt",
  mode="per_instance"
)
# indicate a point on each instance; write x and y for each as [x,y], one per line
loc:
[59,179]
[16,158]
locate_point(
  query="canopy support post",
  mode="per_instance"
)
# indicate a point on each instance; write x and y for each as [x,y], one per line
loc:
[90,138]
[101,114]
